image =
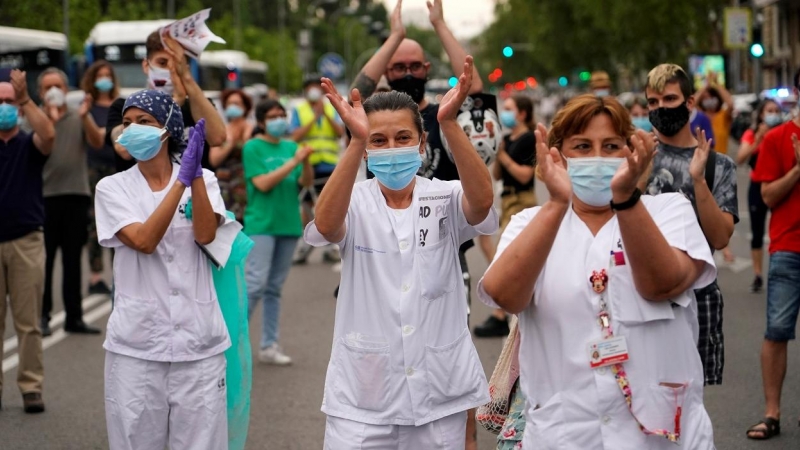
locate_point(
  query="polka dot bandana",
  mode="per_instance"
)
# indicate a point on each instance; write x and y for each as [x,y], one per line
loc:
[160,106]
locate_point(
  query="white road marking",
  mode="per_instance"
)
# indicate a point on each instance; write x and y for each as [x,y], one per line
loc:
[59,335]
[88,303]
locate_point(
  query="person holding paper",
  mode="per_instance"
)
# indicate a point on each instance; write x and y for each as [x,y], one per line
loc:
[167,71]
[165,366]
[601,279]
[403,369]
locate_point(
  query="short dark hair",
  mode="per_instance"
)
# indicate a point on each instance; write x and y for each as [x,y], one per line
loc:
[312,79]
[266,106]
[153,44]
[246,100]
[394,101]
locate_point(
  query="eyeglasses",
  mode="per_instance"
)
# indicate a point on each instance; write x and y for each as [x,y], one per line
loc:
[415,68]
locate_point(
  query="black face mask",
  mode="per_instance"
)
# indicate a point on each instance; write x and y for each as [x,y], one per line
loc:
[413,86]
[669,121]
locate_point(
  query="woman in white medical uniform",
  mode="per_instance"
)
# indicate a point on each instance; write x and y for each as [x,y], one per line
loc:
[602,280]
[403,369]
[165,368]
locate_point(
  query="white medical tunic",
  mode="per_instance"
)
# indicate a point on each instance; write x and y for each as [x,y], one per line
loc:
[570,405]
[165,304]
[402,351]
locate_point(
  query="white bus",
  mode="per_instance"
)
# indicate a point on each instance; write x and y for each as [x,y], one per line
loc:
[33,51]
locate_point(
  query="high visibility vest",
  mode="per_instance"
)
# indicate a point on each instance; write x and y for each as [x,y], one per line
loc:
[322,138]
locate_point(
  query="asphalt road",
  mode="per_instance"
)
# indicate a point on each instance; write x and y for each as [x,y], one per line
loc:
[285,401]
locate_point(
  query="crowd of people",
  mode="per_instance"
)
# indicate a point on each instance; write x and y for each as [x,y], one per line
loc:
[607,291]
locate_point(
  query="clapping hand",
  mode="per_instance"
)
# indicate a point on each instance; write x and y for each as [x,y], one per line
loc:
[20,84]
[452,101]
[302,154]
[697,167]
[635,165]
[354,117]
[396,20]
[86,105]
[436,14]
[552,169]
[191,167]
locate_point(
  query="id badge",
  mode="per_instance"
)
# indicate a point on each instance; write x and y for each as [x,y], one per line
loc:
[606,352]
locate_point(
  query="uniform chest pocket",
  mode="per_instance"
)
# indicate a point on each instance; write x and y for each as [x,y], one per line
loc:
[436,266]
[627,305]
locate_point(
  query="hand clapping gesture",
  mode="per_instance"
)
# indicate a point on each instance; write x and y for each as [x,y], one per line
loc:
[396,20]
[697,167]
[354,117]
[635,165]
[20,84]
[552,168]
[191,167]
[452,101]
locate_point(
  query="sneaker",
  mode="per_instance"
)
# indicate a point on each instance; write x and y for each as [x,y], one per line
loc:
[274,355]
[492,327]
[302,254]
[100,288]
[32,402]
[758,284]
[331,255]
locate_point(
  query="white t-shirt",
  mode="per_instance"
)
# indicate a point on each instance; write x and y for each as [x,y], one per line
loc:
[572,406]
[165,304]
[402,352]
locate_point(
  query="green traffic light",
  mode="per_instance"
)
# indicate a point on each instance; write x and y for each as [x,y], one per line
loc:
[585,76]
[757,50]
[508,52]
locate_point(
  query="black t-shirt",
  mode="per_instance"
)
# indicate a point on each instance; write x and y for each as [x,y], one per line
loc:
[105,156]
[115,118]
[437,163]
[523,151]
[21,200]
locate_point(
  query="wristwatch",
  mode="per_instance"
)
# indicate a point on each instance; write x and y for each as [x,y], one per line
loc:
[629,203]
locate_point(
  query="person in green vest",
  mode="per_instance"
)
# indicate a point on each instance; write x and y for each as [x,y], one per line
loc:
[316,124]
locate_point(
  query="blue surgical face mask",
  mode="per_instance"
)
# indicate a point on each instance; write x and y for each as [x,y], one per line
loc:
[233,112]
[143,142]
[643,123]
[277,127]
[395,168]
[9,116]
[508,118]
[591,178]
[104,84]
[773,119]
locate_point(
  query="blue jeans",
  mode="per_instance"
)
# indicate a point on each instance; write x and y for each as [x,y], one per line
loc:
[267,267]
[783,296]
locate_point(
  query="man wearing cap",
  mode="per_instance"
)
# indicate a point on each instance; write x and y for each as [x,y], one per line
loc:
[22,158]
[316,124]
[600,83]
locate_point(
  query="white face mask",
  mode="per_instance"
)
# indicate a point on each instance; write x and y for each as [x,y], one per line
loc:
[314,94]
[55,97]
[160,79]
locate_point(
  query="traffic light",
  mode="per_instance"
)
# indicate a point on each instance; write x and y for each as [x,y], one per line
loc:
[508,52]
[453,81]
[757,48]
[563,82]
[585,76]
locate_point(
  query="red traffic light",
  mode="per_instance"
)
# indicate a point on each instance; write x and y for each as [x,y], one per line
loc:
[231,76]
[498,73]
[519,85]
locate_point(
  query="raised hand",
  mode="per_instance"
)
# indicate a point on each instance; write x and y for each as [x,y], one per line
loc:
[435,11]
[552,169]
[636,163]
[452,101]
[697,167]
[191,167]
[86,105]
[354,117]
[396,20]
[20,84]
[177,54]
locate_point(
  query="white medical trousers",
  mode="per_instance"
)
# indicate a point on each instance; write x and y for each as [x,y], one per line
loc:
[154,405]
[447,433]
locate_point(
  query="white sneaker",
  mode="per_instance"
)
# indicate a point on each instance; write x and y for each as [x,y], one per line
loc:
[274,355]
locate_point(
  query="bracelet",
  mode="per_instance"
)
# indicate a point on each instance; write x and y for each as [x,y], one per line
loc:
[25,102]
[627,204]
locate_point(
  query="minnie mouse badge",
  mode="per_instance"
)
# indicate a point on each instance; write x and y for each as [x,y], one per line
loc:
[599,281]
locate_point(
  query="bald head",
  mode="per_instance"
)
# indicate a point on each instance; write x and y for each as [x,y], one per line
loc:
[407,54]
[7,91]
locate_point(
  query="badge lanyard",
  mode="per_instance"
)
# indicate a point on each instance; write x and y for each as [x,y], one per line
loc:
[599,282]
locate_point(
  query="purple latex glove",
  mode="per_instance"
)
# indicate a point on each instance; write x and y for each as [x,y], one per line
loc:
[193,155]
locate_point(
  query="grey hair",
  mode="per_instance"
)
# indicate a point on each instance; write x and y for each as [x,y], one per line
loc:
[49,71]
[394,101]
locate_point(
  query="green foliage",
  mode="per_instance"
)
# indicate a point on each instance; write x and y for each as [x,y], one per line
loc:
[563,37]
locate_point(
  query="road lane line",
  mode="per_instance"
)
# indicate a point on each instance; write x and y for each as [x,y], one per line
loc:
[59,335]
[88,303]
